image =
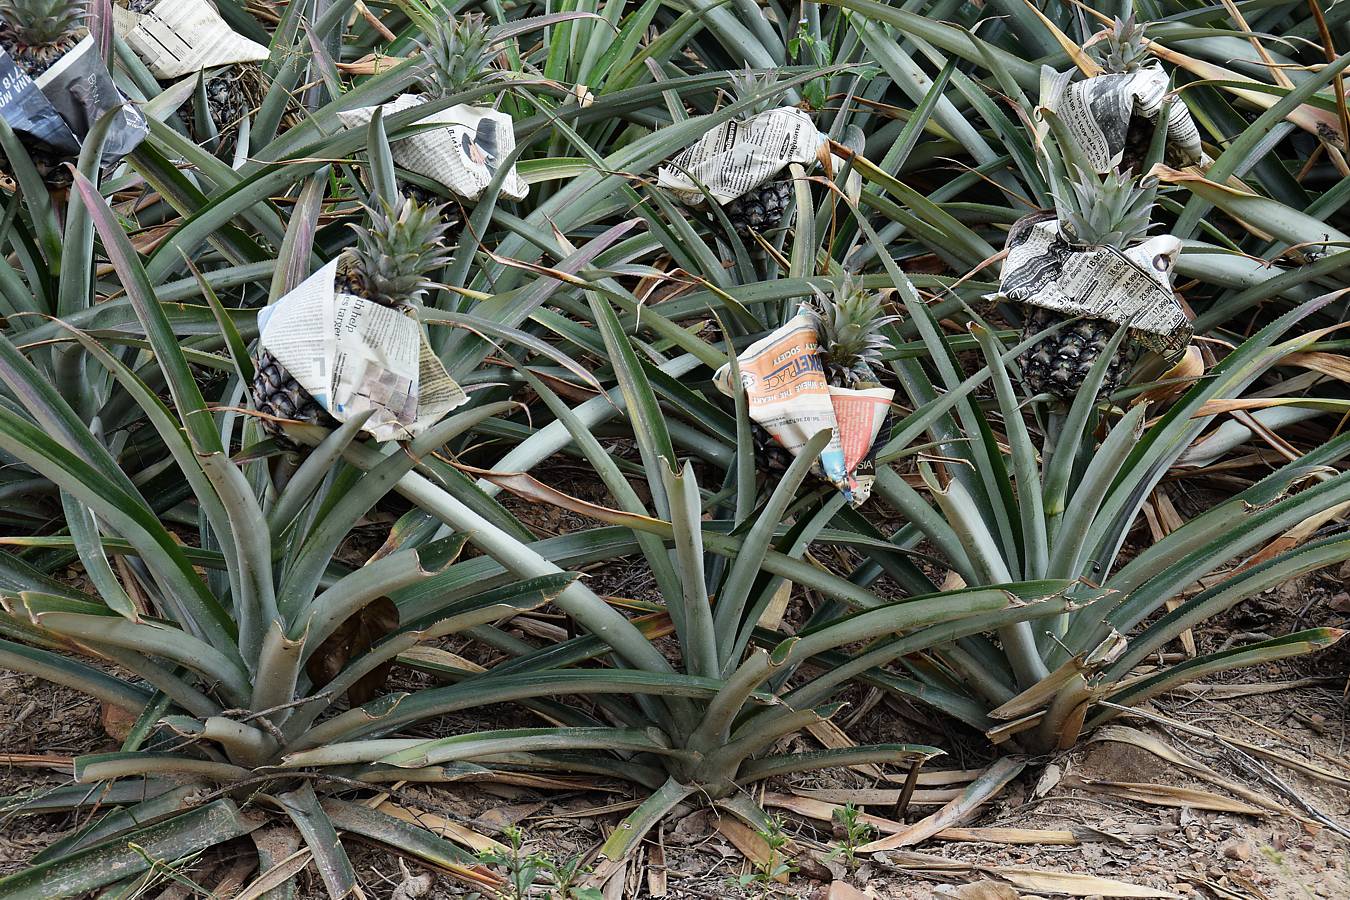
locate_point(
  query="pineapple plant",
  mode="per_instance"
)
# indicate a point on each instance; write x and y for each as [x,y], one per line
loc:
[848,323]
[389,265]
[765,207]
[1123,50]
[35,34]
[231,93]
[1109,211]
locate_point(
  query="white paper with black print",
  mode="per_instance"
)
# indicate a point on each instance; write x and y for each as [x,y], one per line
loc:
[56,111]
[352,355]
[464,155]
[1097,113]
[1131,287]
[740,155]
[178,37]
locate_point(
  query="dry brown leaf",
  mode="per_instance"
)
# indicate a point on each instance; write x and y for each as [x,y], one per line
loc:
[1011,836]
[980,890]
[1333,364]
[994,779]
[751,845]
[1176,379]
[878,796]
[842,890]
[772,617]
[833,737]
[656,868]
[438,657]
[1165,795]
[1073,884]
[352,638]
[443,827]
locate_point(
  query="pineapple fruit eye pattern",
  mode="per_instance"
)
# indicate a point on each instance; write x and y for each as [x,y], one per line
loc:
[726,416]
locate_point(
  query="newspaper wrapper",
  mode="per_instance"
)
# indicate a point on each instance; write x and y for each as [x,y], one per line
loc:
[862,414]
[739,156]
[464,156]
[352,355]
[1097,113]
[789,397]
[1131,288]
[54,112]
[178,37]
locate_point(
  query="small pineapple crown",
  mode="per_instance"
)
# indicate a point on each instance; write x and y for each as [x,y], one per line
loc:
[1112,210]
[1124,48]
[457,55]
[403,244]
[747,83]
[848,324]
[39,22]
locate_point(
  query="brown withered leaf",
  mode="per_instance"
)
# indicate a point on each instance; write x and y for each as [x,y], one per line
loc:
[352,638]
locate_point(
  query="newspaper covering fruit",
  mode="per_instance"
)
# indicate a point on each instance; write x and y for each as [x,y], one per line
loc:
[1131,287]
[354,355]
[1097,113]
[789,396]
[740,155]
[463,155]
[55,112]
[178,37]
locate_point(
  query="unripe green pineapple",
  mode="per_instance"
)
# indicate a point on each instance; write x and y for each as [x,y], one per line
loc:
[1108,211]
[765,207]
[389,265]
[231,94]
[35,34]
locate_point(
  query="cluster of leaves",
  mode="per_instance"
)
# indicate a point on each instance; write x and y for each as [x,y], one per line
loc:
[1016,597]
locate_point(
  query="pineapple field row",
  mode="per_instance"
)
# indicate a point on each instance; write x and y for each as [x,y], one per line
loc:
[796,429]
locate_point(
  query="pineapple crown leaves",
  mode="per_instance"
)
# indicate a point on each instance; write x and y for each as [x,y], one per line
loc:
[848,324]
[1112,210]
[457,54]
[40,22]
[1122,48]
[748,84]
[403,244]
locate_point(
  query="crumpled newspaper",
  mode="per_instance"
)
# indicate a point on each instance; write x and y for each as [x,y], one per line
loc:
[1131,287]
[55,112]
[179,37]
[1097,113]
[352,354]
[740,155]
[464,156]
[790,398]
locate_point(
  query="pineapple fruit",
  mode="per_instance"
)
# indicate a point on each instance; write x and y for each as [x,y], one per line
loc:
[765,207]
[389,265]
[848,324]
[231,93]
[1109,211]
[35,34]
[1123,50]
[457,55]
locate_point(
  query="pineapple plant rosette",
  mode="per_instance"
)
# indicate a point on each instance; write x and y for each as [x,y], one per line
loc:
[738,163]
[178,38]
[465,154]
[347,341]
[818,372]
[57,87]
[1115,111]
